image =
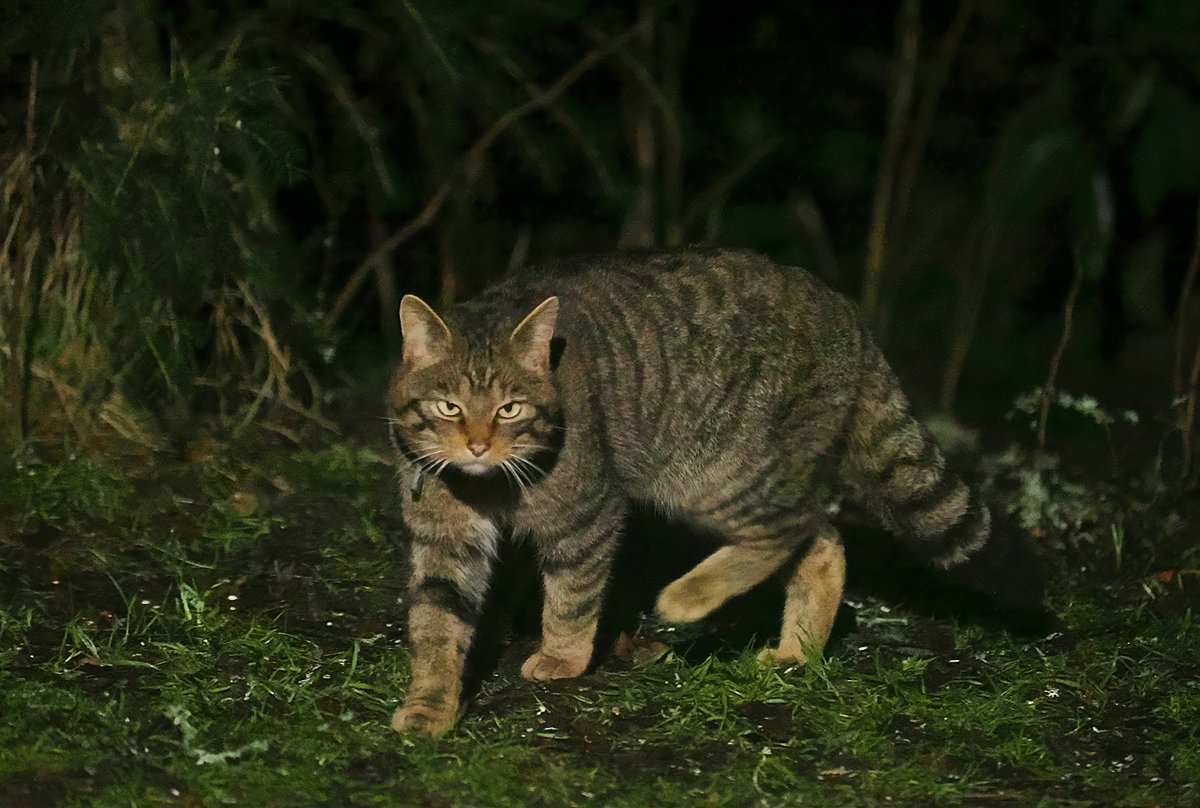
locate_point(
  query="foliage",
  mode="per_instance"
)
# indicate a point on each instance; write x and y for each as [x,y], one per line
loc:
[217,206]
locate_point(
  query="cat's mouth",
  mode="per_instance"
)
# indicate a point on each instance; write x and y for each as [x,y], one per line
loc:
[476,468]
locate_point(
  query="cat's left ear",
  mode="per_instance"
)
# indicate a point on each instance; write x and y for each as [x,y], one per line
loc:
[531,338]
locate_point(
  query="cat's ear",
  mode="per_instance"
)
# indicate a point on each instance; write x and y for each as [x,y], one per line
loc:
[426,337]
[531,338]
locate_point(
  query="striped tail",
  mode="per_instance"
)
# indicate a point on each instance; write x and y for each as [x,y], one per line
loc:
[895,469]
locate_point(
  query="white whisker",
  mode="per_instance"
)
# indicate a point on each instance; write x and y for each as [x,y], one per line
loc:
[530,464]
[511,473]
[438,467]
[536,446]
[516,470]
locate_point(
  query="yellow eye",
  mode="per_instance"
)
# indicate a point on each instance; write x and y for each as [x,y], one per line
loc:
[447,409]
[510,410]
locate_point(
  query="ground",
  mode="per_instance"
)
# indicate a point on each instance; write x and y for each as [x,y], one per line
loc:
[227,627]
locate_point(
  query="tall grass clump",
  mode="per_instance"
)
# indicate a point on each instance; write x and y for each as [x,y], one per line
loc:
[141,257]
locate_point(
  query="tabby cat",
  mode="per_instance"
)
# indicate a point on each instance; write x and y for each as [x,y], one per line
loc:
[716,386]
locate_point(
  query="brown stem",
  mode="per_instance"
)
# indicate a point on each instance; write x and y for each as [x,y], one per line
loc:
[972,289]
[812,224]
[385,281]
[1189,414]
[673,46]
[709,201]
[466,166]
[587,147]
[22,309]
[1181,310]
[640,228]
[922,125]
[340,89]
[908,34]
[1052,377]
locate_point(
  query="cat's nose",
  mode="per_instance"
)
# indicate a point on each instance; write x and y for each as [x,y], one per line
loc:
[478,449]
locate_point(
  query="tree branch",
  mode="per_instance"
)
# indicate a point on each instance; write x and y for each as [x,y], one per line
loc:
[466,167]
[923,120]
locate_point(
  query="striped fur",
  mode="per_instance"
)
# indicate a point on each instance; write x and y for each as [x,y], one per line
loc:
[715,385]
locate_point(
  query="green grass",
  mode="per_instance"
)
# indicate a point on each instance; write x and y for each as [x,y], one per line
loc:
[231,632]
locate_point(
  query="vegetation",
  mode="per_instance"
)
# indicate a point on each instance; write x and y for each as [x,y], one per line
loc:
[231,631]
[208,213]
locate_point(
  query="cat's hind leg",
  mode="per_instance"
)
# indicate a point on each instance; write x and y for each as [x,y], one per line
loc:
[812,597]
[730,571]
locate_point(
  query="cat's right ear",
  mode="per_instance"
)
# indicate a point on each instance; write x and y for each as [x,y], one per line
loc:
[426,337]
[532,337]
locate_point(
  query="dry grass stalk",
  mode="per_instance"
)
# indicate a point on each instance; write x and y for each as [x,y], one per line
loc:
[908,37]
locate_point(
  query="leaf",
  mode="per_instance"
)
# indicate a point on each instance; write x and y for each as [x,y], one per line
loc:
[1040,157]
[1142,279]
[1094,213]
[1165,158]
[1136,98]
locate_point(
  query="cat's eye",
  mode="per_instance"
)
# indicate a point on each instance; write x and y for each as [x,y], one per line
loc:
[510,410]
[447,409]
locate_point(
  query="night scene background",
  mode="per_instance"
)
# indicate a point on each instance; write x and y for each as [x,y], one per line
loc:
[209,213]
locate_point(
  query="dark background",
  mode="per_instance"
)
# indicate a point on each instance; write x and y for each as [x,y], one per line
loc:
[211,209]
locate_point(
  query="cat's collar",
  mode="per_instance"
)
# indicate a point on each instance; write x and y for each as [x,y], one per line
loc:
[416,484]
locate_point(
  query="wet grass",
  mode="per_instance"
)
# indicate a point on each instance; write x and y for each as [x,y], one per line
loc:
[228,629]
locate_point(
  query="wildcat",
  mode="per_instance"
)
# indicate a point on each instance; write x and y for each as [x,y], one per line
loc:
[717,386]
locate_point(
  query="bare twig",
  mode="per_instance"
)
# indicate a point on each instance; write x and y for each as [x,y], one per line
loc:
[520,249]
[709,201]
[339,87]
[1048,391]
[975,267]
[922,123]
[467,166]
[812,223]
[586,146]
[908,35]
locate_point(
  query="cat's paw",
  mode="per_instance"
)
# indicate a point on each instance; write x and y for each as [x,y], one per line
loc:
[782,657]
[423,719]
[542,666]
[684,602]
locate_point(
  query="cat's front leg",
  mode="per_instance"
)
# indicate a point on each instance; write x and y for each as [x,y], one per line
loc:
[576,556]
[450,575]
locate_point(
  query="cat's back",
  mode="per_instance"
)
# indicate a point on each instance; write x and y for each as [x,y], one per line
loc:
[689,297]
[682,353]
[711,315]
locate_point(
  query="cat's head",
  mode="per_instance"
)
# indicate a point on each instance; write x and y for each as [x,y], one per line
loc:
[477,405]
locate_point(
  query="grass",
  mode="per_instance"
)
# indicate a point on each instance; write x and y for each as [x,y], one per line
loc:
[230,631]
